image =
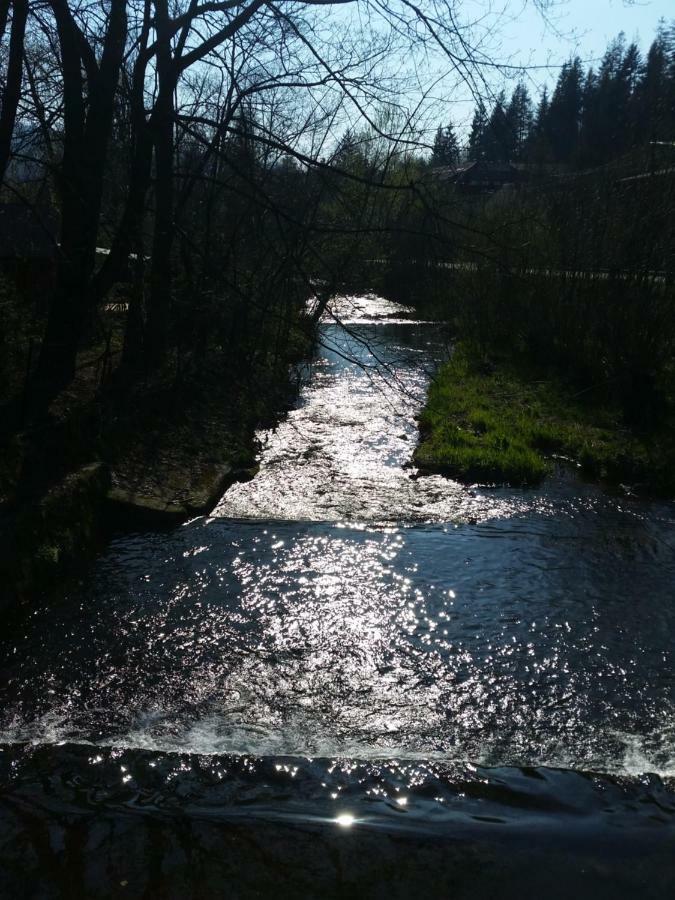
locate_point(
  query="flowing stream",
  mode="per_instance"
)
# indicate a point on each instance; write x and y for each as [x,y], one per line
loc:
[346,647]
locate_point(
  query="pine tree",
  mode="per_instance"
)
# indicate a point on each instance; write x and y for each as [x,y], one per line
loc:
[445,151]
[604,104]
[539,143]
[626,85]
[609,104]
[519,121]
[670,86]
[649,107]
[498,137]
[592,117]
[564,114]
[478,130]
[588,113]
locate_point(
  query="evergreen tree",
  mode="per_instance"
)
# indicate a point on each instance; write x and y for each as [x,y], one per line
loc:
[606,115]
[519,121]
[345,151]
[670,90]
[498,141]
[588,112]
[564,113]
[539,143]
[445,151]
[649,114]
[478,131]
[592,117]
[627,81]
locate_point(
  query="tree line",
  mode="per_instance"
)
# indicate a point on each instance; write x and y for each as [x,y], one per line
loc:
[189,152]
[592,115]
[193,141]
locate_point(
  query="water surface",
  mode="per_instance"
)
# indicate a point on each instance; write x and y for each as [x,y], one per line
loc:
[346,647]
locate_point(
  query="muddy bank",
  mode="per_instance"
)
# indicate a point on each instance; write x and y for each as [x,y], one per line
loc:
[147,458]
[48,537]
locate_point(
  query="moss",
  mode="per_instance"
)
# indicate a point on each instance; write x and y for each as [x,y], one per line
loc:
[502,424]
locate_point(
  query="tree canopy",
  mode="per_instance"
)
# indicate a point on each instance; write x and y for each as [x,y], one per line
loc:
[591,116]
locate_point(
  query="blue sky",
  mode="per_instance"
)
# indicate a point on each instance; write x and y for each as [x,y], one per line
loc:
[584,26]
[517,33]
[524,37]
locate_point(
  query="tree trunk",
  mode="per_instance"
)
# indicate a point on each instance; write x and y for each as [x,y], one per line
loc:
[4,13]
[157,332]
[56,365]
[132,351]
[81,183]
[127,237]
[12,92]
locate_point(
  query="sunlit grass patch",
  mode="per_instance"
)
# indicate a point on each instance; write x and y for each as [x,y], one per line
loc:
[500,425]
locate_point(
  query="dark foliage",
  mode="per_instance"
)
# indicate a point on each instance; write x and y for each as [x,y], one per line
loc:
[591,117]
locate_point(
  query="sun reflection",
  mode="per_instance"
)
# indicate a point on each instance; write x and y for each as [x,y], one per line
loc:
[502,643]
[342,454]
[345,820]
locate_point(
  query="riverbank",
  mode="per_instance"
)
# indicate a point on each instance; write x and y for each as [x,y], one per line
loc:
[141,456]
[502,422]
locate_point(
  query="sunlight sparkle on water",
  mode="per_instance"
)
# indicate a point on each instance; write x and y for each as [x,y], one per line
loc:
[345,625]
[345,820]
[343,454]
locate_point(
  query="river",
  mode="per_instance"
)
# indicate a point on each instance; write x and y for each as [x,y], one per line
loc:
[349,680]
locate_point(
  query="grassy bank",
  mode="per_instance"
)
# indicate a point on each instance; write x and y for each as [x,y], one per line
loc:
[501,422]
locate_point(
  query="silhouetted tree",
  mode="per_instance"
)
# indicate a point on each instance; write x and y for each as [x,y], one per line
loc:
[478,130]
[519,118]
[445,150]
[498,139]
[564,113]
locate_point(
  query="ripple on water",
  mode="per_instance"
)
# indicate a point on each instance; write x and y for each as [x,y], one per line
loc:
[344,453]
[500,643]
[380,615]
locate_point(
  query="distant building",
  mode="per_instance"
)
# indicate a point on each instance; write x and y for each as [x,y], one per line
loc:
[481,177]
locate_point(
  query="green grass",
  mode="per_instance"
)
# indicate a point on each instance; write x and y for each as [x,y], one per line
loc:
[502,425]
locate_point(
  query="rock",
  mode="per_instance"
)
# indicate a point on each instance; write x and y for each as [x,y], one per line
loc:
[55,532]
[168,504]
